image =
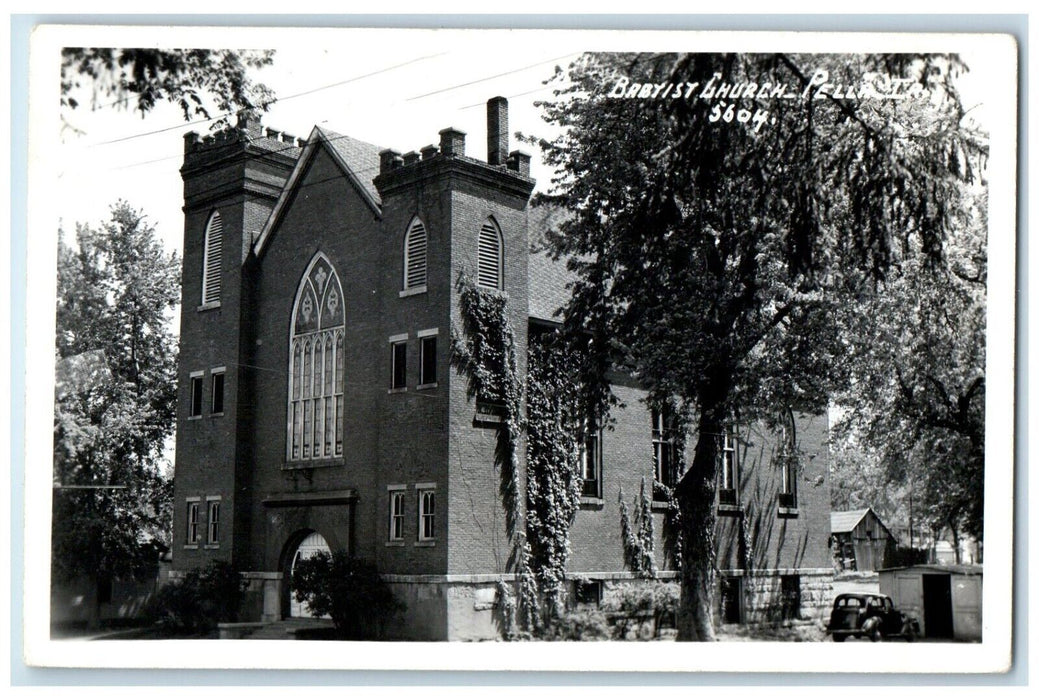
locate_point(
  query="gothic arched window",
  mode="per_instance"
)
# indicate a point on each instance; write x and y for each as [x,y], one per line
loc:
[211,259]
[315,409]
[415,256]
[490,256]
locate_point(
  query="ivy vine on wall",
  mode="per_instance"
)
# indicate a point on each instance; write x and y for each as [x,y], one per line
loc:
[554,418]
[637,533]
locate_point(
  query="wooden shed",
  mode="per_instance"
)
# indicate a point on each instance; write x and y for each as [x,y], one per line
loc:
[861,540]
[944,598]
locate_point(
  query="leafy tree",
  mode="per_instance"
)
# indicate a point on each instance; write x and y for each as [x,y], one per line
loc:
[713,254]
[917,402]
[196,80]
[114,399]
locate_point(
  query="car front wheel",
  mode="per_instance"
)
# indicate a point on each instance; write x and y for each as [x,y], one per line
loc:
[838,637]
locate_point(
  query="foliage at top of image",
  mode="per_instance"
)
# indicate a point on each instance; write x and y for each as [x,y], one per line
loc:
[717,262]
[203,83]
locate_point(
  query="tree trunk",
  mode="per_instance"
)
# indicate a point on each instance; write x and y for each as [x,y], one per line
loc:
[696,504]
[955,541]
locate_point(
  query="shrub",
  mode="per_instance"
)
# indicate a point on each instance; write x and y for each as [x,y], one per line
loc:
[200,600]
[347,589]
[579,626]
[632,602]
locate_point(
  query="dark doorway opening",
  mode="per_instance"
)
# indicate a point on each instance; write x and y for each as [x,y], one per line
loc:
[937,606]
[731,599]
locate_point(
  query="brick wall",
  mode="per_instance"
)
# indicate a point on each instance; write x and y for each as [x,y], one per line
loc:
[781,541]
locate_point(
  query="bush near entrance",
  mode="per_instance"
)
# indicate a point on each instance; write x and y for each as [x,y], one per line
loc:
[200,600]
[347,589]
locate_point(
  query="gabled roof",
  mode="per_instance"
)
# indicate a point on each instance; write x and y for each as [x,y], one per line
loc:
[847,520]
[358,160]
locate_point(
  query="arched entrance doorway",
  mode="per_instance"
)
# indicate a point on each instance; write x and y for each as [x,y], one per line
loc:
[312,544]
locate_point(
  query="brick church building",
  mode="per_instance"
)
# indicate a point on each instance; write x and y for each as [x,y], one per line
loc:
[318,411]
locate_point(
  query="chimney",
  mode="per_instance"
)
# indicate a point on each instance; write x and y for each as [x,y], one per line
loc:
[452,142]
[428,151]
[388,160]
[497,130]
[520,162]
[410,157]
[250,124]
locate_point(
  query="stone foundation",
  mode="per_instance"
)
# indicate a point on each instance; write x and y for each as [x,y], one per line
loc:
[764,601]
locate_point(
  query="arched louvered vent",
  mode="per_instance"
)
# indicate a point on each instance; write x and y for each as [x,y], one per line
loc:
[211,264]
[415,256]
[489,264]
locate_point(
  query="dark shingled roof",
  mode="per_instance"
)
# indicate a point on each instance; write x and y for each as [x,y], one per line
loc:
[363,158]
[845,521]
[549,279]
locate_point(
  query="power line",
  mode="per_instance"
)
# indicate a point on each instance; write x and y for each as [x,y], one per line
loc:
[267,104]
[290,147]
[491,77]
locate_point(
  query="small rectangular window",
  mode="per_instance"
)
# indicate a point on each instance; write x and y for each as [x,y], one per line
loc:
[790,587]
[587,593]
[428,361]
[196,395]
[731,603]
[218,392]
[729,489]
[591,464]
[192,534]
[396,516]
[399,361]
[213,536]
[665,457]
[427,514]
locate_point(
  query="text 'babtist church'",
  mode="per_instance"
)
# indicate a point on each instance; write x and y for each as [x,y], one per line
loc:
[318,411]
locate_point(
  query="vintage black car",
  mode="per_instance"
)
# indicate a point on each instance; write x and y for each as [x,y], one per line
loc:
[869,615]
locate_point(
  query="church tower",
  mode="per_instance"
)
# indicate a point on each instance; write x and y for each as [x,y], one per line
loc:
[231,182]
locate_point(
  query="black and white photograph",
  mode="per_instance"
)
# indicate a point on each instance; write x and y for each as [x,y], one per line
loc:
[372,338]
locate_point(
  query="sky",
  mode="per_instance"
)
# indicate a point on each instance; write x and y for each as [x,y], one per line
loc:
[414,93]
[386,87]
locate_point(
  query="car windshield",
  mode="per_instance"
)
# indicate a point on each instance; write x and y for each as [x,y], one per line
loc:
[849,603]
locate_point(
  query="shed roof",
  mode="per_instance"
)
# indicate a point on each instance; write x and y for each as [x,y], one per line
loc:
[959,569]
[846,520]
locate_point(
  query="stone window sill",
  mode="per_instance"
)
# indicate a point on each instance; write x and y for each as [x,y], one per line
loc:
[788,512]
[208,307]
[431,385]
[212,546]
[397,390]
[395,543]
[412,291]
[591,502]
[314,463]
[191,546]
[426,543]
[730,509]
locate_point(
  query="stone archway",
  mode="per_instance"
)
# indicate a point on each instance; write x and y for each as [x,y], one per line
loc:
[312,543]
